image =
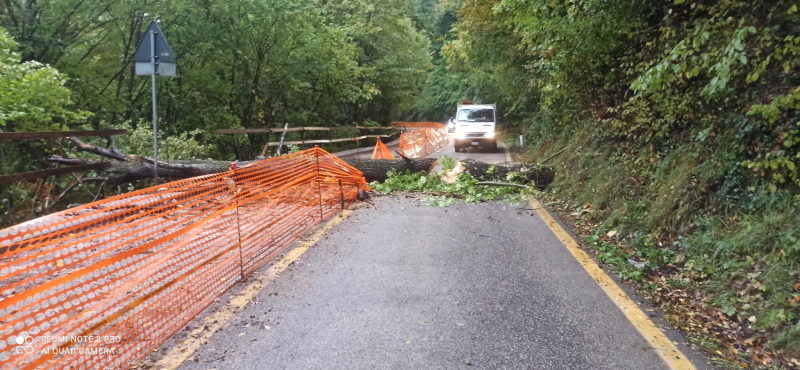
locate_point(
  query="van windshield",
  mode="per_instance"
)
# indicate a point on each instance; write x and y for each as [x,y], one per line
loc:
[476,115]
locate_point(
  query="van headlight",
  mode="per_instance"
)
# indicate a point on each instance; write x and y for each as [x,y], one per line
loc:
[489,135]
[461,135]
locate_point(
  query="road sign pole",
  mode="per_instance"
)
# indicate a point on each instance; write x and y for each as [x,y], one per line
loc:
[155,112]
[158,60]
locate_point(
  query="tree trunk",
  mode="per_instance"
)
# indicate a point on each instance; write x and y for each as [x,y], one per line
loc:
[377,169]
[130,171]
[374,169]
[537,174]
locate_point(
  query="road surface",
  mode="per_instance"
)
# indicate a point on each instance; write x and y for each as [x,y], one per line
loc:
[497,156]
[402,285]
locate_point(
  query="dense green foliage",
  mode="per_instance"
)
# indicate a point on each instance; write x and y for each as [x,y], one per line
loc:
[465,187]
[32,95]
[680,120]
[243,64]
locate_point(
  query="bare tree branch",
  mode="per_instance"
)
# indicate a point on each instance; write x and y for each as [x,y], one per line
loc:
[108,153]
[67,161]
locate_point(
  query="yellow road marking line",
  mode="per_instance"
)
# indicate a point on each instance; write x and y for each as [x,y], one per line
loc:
[179,353]
[667,350]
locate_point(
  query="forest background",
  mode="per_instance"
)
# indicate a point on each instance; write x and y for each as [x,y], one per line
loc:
[678,120]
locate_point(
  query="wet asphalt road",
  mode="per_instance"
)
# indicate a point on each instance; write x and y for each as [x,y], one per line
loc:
[408,286]
[403,285]
[478,154]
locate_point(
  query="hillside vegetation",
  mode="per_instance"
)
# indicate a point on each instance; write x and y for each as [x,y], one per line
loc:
[678,119]
[680,123]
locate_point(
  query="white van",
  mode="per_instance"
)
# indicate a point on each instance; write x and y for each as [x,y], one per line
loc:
[475,126]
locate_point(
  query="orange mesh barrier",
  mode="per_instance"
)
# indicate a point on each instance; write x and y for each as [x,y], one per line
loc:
[435,125]
[103,284]
[381,151]
[421,143]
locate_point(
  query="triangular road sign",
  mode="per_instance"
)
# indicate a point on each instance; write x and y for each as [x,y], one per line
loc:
[163,52]
[165,58]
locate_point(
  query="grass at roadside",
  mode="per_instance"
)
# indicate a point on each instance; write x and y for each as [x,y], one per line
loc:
[722,264]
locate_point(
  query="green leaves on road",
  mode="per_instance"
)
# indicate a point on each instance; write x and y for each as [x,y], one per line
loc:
[443,194]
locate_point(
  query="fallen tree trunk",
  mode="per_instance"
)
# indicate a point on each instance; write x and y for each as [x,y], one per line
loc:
[540,175]
[130,171]
[377,169]
[374,169]
[130,168]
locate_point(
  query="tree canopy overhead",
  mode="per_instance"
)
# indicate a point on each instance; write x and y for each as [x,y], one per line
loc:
[245,64]
[678,120]
[240,64]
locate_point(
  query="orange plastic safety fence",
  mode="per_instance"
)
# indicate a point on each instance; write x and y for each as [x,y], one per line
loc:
[421,143]
[101,285]
[381,151]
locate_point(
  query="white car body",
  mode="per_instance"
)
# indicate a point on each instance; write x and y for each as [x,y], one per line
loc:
[475,126]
